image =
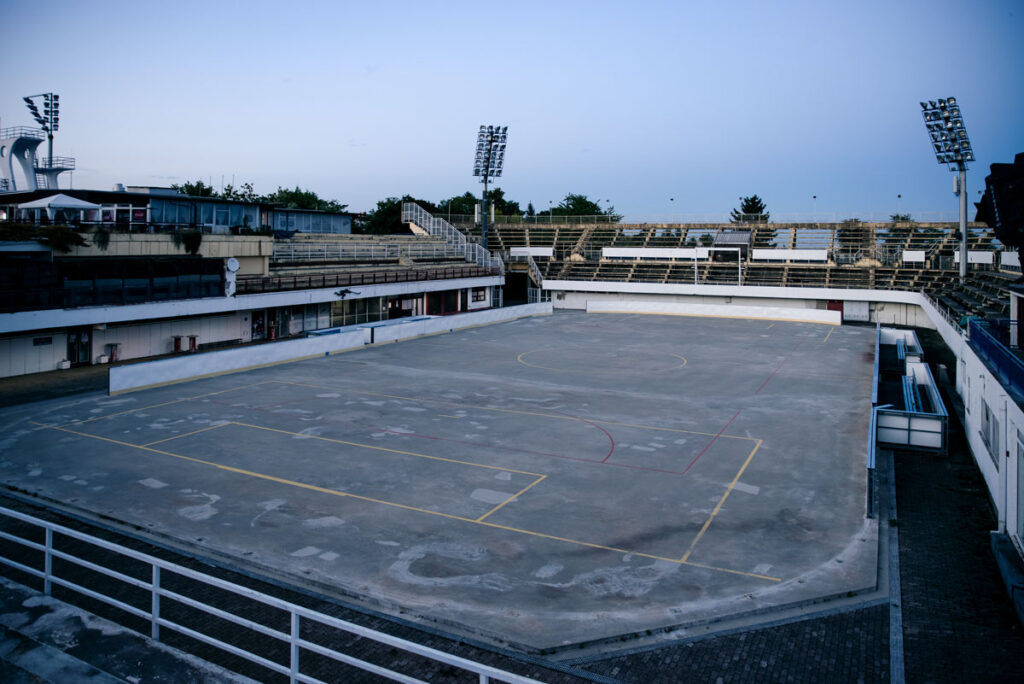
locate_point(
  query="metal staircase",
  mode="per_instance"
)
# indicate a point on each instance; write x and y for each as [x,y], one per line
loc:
[417,215]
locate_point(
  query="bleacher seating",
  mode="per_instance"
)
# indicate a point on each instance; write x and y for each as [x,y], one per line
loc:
[860,256]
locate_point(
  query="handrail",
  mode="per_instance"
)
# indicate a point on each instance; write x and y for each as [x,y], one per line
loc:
[258,284]
[414,213]
[49,575]
[23,132]
[43,163]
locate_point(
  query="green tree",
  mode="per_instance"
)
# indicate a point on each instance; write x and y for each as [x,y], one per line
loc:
[503,206]
[462,205]
[530,211]
[302,199]
[752,210]
[386,218]
[580,205]
[754,213]
[245,193]
[901,218]
[195,189]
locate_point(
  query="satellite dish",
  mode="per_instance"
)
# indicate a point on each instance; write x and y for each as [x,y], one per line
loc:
[231,264]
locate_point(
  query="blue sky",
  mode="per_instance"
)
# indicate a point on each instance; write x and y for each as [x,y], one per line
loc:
[634,102]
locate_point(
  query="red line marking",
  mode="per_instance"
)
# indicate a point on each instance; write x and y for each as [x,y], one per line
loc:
[781,364]
[611,439]
[713,439]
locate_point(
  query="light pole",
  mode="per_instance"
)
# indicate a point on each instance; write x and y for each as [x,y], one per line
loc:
[815,198]
[899,206]
[490,156]
[952,147]
[49,120]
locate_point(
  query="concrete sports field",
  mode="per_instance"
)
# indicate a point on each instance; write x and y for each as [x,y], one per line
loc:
[539,483]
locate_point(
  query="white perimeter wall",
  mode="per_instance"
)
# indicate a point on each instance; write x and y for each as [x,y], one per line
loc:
[890,307]
[19,356]
[192,366]
[715,310]
[151,339]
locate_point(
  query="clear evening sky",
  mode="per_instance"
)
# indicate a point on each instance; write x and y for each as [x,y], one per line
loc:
[634,102]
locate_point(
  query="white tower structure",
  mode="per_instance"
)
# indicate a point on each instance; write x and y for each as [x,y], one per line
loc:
[20,143]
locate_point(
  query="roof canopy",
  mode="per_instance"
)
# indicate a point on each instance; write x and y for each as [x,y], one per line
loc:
[58,201]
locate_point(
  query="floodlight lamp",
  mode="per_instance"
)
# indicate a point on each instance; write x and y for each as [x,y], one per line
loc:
[969,156]
[951,100]
[924,105]
[932,103]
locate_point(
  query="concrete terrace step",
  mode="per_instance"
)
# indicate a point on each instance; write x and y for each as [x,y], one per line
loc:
[45,640]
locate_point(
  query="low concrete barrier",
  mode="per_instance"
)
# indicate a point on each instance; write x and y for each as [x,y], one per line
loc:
[194,366]
[772,313]
[432,326]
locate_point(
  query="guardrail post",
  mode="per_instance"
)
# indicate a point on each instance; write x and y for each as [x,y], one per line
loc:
[154,630]
[294,643]
[48,561]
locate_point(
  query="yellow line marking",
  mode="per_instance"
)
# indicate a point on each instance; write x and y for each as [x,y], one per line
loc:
[553,416]
[513,497]
[828,336]
[392,451]
[602,371]
[718,507]
[187,434]
[449,516]
[166,403]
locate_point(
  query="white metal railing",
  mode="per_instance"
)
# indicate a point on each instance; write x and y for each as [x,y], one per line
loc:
[297,614]
[414,213]
[535,274]
[367,251]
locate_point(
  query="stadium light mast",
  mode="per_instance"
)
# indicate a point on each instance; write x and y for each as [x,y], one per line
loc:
[952,147]
[490,156]
[49,119]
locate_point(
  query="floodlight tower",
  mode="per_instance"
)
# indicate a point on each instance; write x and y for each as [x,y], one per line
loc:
[952,147]
[490,156]
[49,120]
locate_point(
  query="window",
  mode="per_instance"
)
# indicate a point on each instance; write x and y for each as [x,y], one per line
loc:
[479,294]
[990,432]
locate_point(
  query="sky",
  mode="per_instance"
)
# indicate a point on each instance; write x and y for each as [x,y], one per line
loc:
[667,111]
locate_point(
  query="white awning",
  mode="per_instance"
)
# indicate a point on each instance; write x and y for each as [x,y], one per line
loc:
[59,201]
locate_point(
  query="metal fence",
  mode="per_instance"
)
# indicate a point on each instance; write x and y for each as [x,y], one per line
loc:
[363,251]
[258,284]
[985,340]
[140,587]
[414,213]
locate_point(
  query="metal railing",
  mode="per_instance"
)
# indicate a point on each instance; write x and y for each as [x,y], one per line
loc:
[414,213]
[1003,362]
[300,619]
[23,132]
[259,284]
[362,251]
[43,163]
[535,274]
